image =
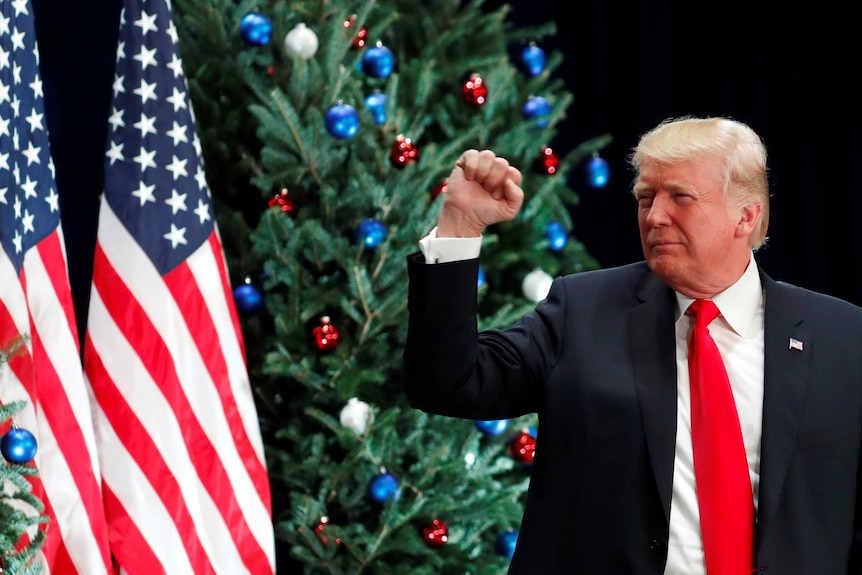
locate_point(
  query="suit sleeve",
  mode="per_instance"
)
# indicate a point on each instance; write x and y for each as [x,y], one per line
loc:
[451,369]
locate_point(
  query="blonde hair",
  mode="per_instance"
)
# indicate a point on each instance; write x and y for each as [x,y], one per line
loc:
[745,172]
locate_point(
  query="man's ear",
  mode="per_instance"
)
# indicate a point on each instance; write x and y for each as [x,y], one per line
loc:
[749,216]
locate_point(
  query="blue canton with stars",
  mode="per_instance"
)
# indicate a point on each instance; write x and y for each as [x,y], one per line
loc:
[154,176]
[29,206]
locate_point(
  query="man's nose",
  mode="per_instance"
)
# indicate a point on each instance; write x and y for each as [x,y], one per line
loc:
[658,211]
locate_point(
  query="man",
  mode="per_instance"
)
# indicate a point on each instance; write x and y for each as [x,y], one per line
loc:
[620,482]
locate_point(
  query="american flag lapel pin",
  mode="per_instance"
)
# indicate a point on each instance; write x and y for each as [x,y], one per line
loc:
[795,344]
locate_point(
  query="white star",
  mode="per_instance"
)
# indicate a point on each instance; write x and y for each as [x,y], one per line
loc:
[201,178]
[36,86]
[4,56]
[17,207]
[176,236]
[146,57]
[18,40]
[177,202]
[177,167]
[32,153]
[178,99]
[29,188]
[4,25]
[20,7]
[53,200]
[16,103]
[116,119]
[145,194]
[197,143]
[115,154]
[147,23]
[4,92]
[35,120]
[178,133]
[27,221]
[121,50]
[172,32]
[16,73]
[118,87]
[145,159]
[4,161]
[17,241]
[176,66]
[146,91]
[146,125]
[202,211]
[3,196]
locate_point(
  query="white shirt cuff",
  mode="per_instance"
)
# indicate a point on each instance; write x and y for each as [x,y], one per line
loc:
[443,250]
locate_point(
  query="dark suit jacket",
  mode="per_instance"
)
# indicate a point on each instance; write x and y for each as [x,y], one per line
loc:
[596,362]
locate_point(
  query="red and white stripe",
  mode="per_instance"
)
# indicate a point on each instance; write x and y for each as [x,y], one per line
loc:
[185,484]
[47,375]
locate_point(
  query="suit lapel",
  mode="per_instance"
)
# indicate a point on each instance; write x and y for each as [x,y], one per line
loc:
[785,366]
[651,338]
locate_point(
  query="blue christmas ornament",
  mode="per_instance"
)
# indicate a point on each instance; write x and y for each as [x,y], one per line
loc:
[480,281]
[18,445]
[248,298]
[506,542]
[371,233]
[556,235]
[378,61]
[493,426]
[533,58]
[255,29]
[537,107]
[376,104]
[383,487]
[342,121]
[598,172]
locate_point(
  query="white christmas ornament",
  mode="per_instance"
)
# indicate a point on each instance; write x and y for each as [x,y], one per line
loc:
[301,42]
[356,415]
[536,285]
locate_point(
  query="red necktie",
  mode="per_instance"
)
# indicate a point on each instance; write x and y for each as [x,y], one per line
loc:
[720,465]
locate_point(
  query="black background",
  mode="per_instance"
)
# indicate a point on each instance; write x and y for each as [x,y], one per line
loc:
[789,71]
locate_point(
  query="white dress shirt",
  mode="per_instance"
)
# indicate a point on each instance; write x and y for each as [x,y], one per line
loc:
[738,333]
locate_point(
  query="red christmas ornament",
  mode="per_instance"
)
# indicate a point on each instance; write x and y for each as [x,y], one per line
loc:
[361,35]
[523,448]
[547,161]
[474,91]
[404,152]
[435,534]
[324,521]
[270,70]
[437,190]
[325,336]
[283,201]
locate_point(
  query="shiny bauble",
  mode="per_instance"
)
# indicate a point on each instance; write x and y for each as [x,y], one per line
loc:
[383,487]
[435,534]
[505,543]
[342,121]
[533,60]
[492,426]
[474,91]
[378,61]
[557,236]
[248,298]
[598,172]
[537,108]
[371,233]
[376,104]
[18,445]
[255,29]
[301,42]
[536,285]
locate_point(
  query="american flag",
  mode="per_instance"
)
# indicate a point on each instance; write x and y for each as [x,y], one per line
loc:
[184,477]
[35,300]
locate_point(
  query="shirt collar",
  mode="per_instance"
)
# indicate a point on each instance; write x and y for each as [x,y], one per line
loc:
[738,303]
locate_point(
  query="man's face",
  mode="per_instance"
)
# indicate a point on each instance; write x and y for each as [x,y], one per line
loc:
[691,238]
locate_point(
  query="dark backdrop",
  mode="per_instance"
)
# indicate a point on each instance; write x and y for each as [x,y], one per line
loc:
[789,72]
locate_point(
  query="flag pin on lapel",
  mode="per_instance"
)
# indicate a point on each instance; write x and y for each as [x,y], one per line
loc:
[795,344]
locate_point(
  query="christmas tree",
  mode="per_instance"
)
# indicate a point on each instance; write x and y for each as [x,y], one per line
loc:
[328,129]
[20,509]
